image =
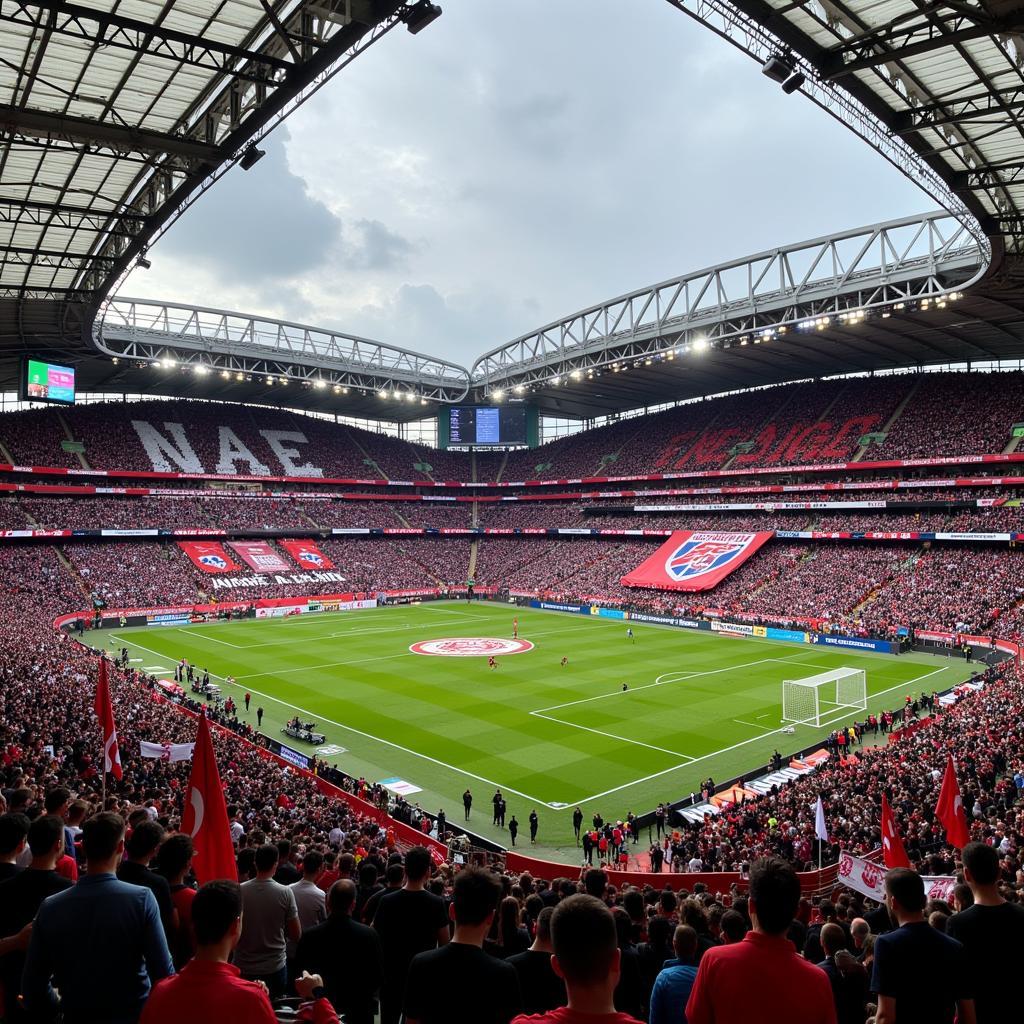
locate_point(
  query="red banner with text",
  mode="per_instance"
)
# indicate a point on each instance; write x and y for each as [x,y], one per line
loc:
[208,556]
[259,555]
[693,561]
[307,554]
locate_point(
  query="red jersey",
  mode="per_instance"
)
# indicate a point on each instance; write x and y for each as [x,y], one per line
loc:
[732,981]
[207,992]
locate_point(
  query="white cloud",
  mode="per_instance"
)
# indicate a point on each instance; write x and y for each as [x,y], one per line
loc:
[513,163]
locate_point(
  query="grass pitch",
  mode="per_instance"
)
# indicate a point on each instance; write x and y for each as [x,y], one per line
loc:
[551,737]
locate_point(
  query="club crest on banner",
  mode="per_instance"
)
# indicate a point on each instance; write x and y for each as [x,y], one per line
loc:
[305,555]
[213,560]
[696,556]
[699,560]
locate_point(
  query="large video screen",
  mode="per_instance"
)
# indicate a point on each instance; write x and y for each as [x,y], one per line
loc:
[487,425]
[47,382]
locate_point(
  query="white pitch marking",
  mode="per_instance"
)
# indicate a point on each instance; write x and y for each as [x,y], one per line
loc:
[610,735]
[389,743]
[743,743]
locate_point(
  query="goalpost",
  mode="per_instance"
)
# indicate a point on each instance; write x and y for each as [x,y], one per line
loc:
[826,697]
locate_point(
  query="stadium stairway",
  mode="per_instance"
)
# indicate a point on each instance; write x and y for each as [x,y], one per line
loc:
[876,592]
[66,427]
[893,419]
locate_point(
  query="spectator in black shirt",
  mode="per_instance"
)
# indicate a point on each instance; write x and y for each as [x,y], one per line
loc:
[460,983]
[20,897]
[541,988]
[140,848]
[368,886]
[847,975]
[13,831]
[653,953]
[346,954]
[394,876]
[919,975]
[992,933]
[287,873]
[408,921]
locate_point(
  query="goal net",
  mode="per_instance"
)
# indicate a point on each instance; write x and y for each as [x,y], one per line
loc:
[824,698]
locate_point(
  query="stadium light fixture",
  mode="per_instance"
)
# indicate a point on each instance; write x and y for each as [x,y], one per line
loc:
[284,382]
[270,380]
[382,393]
[781,68]
[421,15]
[200,370]
[251,157]
[225,374]
[319,384]
[520,389]
[700,344]
[497,395]
[239,376]
[142,263]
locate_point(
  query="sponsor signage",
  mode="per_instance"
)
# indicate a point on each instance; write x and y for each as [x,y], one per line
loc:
[735,628]
[554,606]
[857,643]
[169,619]
[293,757]
[795,636]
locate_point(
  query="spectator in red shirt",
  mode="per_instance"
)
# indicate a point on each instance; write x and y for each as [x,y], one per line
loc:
[587,958]
[762,978]
[209,990]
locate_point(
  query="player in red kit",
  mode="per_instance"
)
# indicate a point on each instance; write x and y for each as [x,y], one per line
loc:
[491,663]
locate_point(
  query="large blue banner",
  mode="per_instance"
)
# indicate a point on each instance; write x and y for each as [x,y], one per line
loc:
[857,643]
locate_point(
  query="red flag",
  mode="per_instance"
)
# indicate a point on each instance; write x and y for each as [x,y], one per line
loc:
[893,853]
[206,814]
[950,809]
[105,713]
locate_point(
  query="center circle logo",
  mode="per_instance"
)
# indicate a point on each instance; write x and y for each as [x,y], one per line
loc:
[470,647]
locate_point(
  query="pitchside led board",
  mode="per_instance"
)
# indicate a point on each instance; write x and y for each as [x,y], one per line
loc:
[46,382]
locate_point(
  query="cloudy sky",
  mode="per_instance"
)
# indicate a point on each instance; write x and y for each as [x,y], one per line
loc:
[511,164]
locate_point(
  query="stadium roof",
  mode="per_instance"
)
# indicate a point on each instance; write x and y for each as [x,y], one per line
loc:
[942,80]
[113,120]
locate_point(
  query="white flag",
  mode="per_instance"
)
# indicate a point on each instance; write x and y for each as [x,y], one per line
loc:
[170,752]
[820,829]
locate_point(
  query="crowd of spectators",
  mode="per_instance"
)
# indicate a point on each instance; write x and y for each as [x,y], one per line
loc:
[475,945]
[947,414]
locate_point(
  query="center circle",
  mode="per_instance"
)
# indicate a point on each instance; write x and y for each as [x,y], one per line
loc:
[470,647]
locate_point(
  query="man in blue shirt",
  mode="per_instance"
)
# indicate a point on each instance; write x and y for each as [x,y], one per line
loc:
[100,944]
[672,986]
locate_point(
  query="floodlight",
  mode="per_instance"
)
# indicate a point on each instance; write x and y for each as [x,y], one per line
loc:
[251,157]
[421,15]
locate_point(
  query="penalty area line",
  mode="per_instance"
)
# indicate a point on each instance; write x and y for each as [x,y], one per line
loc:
[755,739]
[316,716]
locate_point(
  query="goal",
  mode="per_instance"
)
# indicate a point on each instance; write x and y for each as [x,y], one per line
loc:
[824,698]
